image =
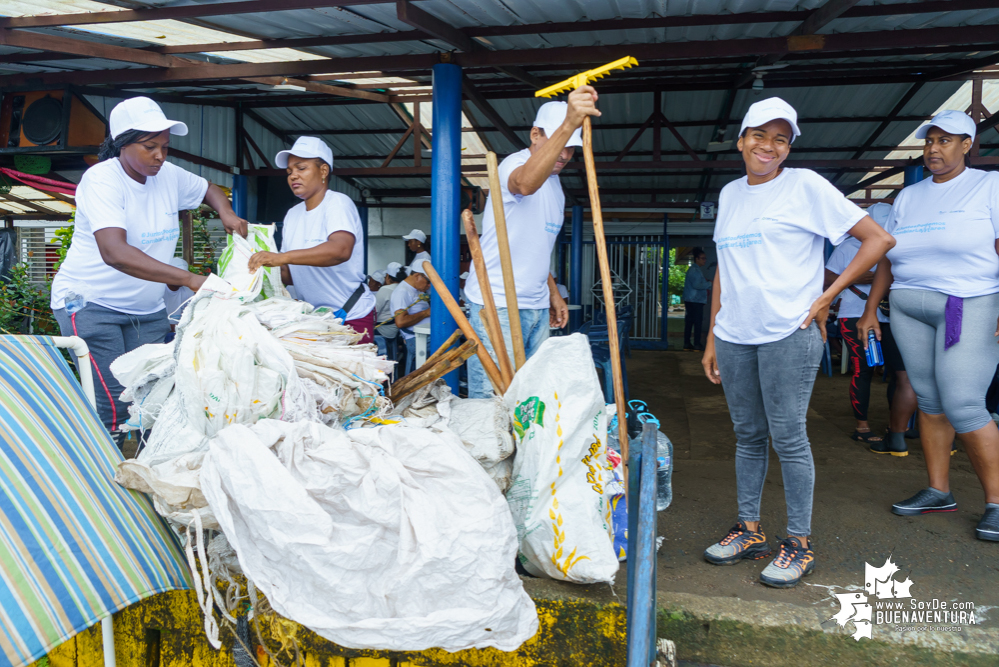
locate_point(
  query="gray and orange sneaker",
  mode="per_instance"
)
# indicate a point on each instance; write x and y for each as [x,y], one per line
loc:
[740,543]
[793,562]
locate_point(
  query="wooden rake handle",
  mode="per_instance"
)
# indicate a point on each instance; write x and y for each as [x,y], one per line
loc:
[491,316]
[503,242]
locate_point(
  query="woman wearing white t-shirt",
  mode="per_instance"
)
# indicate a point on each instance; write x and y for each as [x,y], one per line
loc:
[764,345]
[944,280]
[322,241]
[109,290]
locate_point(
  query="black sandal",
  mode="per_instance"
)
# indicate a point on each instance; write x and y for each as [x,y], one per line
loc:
[866,437]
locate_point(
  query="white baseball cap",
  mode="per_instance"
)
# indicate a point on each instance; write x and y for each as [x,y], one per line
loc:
[879,212]
[550,117]
[141,113]
[774,108]
[951,122]
[393,269]
[379,276]
[463,276]
[416,235]
[417,267]
[306,147]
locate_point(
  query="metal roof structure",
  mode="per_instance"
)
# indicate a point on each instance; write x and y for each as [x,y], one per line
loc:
[258,73]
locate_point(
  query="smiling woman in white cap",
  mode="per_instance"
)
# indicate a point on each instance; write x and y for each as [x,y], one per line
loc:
[944,280]
[768,315]
[534,207]
[322,242]
[109,290]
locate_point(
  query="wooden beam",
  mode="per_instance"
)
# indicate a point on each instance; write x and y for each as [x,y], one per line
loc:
[490,113]
[178,13]
[430,24]
[323,88]
[86,48]
[198,160]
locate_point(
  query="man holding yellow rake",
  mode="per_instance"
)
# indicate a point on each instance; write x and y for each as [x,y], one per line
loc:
[534,207]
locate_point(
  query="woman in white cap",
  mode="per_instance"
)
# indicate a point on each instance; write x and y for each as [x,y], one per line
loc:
[944,280]
[386,331]
[416,242]
[322,241]
[109,290]
[410,304]
[768,314]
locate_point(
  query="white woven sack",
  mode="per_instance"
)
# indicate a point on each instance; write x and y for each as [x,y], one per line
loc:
[560,470]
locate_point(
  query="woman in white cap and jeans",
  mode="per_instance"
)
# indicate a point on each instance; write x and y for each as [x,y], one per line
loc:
[322,241]
[768,314]
[944,280]
[109,290]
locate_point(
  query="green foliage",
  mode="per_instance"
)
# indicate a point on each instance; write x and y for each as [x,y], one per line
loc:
[24,307]
[65,237]
[677,274]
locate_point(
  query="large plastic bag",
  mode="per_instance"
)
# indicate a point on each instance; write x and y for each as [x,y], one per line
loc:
[484,426]
[233,263]
[560,471]
[386,538]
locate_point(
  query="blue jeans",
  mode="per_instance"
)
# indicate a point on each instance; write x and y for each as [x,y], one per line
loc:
[410,354]
[768,388]
[534,326]
[110,334]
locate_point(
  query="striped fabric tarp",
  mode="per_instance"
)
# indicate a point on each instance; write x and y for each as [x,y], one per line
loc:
[74,546]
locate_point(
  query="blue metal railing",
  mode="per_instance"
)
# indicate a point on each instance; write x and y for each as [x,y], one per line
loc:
[641,615]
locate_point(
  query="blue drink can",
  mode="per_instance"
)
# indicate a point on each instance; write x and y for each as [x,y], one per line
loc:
[874,356]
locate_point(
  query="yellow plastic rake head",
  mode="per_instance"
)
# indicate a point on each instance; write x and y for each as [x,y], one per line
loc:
[583,78]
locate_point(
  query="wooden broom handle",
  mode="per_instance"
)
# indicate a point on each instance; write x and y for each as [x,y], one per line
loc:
[503,241]
[489,304]
[466,328]
[608,287]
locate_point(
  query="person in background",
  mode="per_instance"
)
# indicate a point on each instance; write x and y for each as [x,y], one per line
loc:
[385,329]
[322,242]
[375,281]
[410,305]
[416,242]
[109,290]
[901,397]
[695,295]
[534,206]
[462,279]
[768,316]
[944,282]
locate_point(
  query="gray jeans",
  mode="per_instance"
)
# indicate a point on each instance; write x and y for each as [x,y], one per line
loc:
[768,388]
[954,381]
[110,334]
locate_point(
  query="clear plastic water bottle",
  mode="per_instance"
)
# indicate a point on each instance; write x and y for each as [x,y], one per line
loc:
[75,303]
[664,473]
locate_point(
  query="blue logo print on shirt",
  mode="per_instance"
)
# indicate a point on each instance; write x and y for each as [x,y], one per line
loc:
[740,241]
[921,229]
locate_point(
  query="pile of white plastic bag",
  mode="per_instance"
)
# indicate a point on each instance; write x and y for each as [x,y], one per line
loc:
[366,522]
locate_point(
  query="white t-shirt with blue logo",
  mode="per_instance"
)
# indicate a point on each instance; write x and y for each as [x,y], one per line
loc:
[770,240]
[533,223]
[328,286]
[148,212]
[945,235]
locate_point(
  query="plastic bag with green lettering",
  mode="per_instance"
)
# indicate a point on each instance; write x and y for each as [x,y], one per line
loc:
[234,262]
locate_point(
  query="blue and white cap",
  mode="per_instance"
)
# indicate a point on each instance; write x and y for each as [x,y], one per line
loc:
[951,122]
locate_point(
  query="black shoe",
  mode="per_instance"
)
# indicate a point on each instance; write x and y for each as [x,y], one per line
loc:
[925,502]
[893,443]
[988,527]
[912,433]
[739,544]
[688,348]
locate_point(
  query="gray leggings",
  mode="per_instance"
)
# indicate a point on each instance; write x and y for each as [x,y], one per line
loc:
[951,382]
[767,388]
[110,334]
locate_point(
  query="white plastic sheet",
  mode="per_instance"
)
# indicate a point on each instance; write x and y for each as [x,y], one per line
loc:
[560,471]
[386,538]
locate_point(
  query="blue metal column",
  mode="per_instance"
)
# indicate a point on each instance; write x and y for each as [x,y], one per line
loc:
[913,175]
[240,190]
[576,269]
[362,212]
[445,202]
[560,256]
[664,323]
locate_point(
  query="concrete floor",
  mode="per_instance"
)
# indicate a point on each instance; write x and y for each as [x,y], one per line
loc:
[854,490]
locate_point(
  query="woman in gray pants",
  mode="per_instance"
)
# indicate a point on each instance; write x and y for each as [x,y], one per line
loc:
[944,280]
[764,344]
